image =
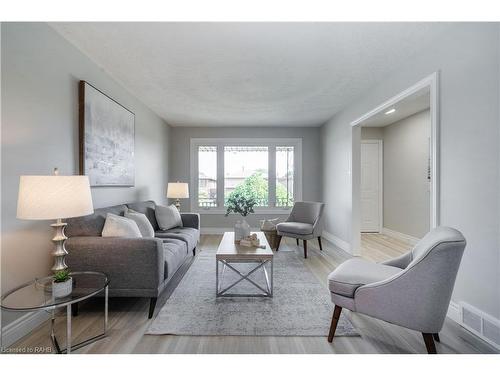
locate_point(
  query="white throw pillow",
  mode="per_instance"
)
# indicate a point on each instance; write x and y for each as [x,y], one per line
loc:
[142,222]
[168,217]
[119,226]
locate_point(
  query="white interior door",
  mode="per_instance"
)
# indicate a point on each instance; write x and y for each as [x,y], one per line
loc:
[371,185]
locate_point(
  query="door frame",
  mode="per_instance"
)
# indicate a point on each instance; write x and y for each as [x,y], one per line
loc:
[432,83]
[380,179]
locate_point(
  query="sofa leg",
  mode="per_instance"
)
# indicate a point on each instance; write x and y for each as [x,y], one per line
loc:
[74,309]
[297,241]
[152,305]
[429,343]
[279,242]
[335,320]
[194,251]
[305,249]
[436,337]
[319,243]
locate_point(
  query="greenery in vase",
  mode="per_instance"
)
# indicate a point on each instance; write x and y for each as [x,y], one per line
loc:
[240,203]
[61,276]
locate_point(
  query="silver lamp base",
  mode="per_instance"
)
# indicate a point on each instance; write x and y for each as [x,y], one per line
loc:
[59,251]
[178,204]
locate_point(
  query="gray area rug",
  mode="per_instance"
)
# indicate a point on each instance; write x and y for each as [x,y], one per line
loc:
[300,306]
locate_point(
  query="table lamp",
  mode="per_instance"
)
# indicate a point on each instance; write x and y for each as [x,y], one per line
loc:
[54,198]
[177,190]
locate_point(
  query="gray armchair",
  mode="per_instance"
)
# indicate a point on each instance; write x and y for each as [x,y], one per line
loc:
[304,223]
[412,291]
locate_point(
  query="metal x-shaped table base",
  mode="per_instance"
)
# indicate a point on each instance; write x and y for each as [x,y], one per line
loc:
[267,292]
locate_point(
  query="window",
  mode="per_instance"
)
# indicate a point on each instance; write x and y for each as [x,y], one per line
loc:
[268,169]
[246,171]
[284,176]
[207,176]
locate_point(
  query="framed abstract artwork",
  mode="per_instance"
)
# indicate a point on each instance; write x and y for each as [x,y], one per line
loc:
[107,139]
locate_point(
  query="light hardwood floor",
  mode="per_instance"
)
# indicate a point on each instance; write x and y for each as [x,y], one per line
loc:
[379,247]
[128,322]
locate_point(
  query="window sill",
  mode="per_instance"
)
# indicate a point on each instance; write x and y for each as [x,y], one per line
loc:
[258,211]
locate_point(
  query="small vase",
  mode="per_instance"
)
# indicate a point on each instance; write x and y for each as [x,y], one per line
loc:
[245,228]
[60,290]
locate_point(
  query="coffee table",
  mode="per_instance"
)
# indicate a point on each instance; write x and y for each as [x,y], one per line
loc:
[230,253]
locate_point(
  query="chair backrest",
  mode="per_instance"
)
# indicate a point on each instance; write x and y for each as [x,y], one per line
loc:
[438,239]
[307,212]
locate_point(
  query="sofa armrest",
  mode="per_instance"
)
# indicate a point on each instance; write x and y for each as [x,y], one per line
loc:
[129,263]
[190,220]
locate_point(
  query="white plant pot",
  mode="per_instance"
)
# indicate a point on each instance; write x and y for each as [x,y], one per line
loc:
[245,229]
[63,289]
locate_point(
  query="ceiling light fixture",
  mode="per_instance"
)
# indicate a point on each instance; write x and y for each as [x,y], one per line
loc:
[390,111]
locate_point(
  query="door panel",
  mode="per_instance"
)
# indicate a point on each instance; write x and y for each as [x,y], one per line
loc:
[371,186]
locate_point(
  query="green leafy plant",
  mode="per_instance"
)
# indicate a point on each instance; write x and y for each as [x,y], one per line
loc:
[240,203]
[61,276]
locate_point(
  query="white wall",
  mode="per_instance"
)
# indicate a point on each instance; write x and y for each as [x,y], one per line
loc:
[467,57]
[40,74]
[311,162]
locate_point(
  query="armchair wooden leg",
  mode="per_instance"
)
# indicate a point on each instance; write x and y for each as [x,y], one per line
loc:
[429,343]
[152,305]
[297,241]
[335,320]
[305,248]
[436,337]
[319,242]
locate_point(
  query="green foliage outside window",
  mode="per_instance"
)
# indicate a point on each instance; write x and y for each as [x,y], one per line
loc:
[255,188]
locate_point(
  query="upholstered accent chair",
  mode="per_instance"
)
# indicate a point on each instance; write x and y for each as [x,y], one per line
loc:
[412,290]
[304,223]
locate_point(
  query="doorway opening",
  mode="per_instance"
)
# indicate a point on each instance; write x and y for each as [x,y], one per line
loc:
[395,174]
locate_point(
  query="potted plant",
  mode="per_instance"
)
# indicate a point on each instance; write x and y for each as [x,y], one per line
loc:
[62,285]
[242,204]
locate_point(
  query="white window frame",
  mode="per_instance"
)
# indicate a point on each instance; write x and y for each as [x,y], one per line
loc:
[271,144]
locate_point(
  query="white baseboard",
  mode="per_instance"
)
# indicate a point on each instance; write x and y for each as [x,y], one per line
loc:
[454,312]
[22,326]
[401,236]
[337,241]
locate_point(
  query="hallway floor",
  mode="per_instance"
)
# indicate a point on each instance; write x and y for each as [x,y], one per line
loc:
[380,247]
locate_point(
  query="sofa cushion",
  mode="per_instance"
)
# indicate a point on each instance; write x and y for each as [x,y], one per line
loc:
[119,226]
[168,217]
[295,228]
[175,252]
[189,235]
[142,222]
[91,225]
[357,272]
[147,208]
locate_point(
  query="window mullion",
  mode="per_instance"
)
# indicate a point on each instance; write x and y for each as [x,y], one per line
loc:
[272,176]
[220,176]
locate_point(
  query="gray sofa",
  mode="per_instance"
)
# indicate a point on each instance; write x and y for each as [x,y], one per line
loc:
[136,267]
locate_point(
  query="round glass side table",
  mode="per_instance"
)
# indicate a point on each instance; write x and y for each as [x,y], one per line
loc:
[37,295]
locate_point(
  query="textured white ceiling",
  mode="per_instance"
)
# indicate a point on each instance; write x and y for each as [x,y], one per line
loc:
[248,74]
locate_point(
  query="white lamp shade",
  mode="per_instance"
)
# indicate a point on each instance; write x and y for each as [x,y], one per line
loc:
[177,190]
[53,197]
